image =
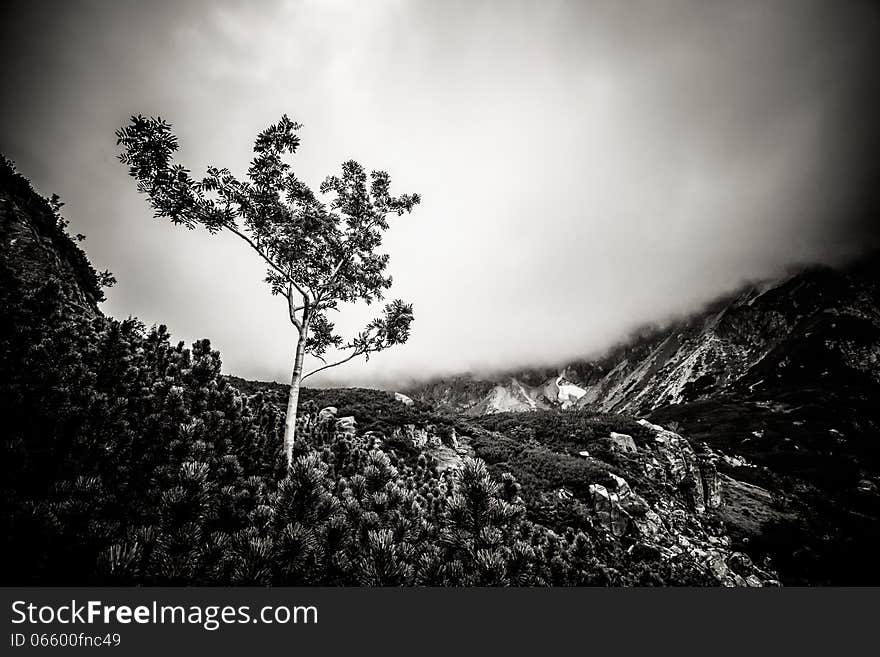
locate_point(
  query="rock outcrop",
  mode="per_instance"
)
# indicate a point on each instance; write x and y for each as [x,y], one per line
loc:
[623,442]
[417,436]
[327,414]
[672,529]
[694,477]
[346,426]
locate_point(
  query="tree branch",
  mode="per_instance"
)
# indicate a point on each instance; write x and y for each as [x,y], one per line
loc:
[326,284]
[354,354]
[292,311]
[268,260]
[347,252]
[336,269]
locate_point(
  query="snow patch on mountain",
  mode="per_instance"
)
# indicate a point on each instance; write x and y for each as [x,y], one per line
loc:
[568,393]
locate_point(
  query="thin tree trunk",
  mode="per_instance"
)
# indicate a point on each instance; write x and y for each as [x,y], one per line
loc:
[293,398]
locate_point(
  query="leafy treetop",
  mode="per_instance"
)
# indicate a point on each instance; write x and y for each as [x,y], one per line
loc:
[318,253]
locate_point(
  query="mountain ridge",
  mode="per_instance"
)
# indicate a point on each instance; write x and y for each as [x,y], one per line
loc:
[782,379]
[695,356]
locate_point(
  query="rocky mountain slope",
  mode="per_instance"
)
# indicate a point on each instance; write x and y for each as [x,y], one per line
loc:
[643,494]
[528,391]
[780,381]
[36,247]
[734,342]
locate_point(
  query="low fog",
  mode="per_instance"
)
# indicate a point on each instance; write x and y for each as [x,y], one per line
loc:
[585,167]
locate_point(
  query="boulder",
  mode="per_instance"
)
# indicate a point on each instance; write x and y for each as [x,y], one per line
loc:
[621,487]
[418,437]
[737,569]
[346,425]
[866,486]
[680,466]
[737,461]
[711,481]
[623,442]
[639,514]
[650,525]
[610,515]
[717,565]
[373,439]
[403,399]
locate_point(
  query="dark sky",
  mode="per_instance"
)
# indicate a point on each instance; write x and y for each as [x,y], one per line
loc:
[586,167]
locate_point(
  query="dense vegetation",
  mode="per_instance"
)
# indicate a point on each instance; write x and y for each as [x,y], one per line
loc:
[318,253]
[541,449]
[373,410]
[129,458]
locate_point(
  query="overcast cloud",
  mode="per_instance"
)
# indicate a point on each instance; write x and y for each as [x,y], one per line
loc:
[585,167]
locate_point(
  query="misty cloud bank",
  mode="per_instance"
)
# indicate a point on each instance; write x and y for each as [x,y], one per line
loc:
[585,167]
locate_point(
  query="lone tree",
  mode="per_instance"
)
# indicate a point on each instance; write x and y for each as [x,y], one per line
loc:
[319,254]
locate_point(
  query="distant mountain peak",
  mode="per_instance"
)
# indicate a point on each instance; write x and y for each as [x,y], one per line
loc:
[719,348]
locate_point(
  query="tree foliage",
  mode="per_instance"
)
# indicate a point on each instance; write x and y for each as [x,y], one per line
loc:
[319,254]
